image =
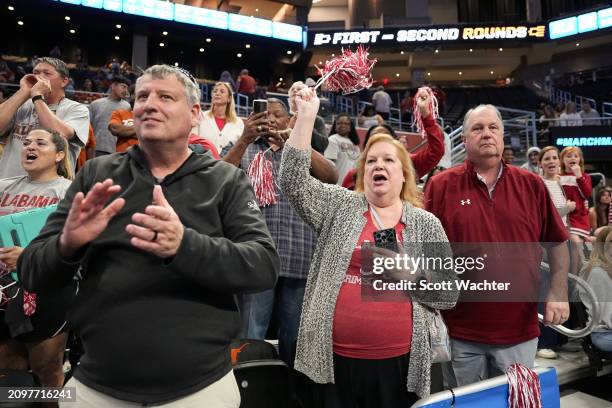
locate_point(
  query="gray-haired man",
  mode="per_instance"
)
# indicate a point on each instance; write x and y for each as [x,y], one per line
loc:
[162,261]
[41,102]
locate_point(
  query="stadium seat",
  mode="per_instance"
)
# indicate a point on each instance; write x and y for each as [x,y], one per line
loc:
[263,383]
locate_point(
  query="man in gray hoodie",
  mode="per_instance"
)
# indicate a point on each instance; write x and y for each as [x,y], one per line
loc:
[533,154]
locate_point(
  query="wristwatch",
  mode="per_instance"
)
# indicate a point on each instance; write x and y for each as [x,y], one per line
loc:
[37,97]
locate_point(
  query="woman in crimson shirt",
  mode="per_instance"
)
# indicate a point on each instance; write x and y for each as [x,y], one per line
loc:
[424,160]
[360,353]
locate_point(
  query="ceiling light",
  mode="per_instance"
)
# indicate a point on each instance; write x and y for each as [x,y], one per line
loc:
[280,79]
[118,25]
[429,74]
[320,62]
[471,50]
[117,38]
[333,55]
[577,44]
[164,32]
[397,74]
[501,49]
[492,72]
[289,52]
[437,51]
[176,64]
[239,55]
[201,49]
[247,46]
[20,22]
[208,40]
[11,8]
[402,52]
[161,44]
[72,31]
[460,73]
[256,10]
[67,18]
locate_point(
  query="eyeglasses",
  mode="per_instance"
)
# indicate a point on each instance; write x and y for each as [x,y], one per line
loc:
[187,74]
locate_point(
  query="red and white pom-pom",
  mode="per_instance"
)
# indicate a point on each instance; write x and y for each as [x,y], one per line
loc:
[417,119]
[523,387]
[262,180]
[350,72]
[29,303]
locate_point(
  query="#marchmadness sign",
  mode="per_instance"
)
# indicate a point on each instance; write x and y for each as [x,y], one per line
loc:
[595,141]
[429,35]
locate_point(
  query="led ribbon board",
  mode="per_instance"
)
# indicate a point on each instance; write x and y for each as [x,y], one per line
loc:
[198,16]
[582,23]
[429,35]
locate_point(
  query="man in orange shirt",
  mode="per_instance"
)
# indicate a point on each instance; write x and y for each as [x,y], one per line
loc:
[89,152]
[121,125]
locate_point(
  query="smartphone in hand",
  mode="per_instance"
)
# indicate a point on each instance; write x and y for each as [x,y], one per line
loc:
[260,105]
[386,238]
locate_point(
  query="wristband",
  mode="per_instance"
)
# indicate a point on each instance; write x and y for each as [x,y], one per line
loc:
[37,97]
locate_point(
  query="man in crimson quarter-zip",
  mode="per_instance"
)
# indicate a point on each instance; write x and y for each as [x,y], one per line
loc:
[484,201]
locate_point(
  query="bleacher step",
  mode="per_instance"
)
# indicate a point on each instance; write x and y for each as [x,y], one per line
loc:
[582,400]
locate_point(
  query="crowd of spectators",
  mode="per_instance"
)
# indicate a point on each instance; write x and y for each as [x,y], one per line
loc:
[278,213]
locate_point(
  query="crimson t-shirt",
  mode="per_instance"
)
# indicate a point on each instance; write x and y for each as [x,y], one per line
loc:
[370,330]
[519,211]
[220,123]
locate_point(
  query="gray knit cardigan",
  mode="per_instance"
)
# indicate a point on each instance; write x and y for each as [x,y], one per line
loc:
[336,216]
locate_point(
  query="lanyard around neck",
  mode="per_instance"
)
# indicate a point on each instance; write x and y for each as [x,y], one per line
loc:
[377,219]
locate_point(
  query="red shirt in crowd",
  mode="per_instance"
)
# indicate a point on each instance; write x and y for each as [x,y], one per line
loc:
[578,189]
[220,123]
[423,161]
[370,329]
[247,84]
[520,210]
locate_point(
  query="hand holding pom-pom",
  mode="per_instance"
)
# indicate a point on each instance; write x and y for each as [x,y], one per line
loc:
[307,102]
[423,100]
[425,104]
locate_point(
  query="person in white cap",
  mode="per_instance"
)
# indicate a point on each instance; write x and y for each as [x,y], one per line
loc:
[533,155]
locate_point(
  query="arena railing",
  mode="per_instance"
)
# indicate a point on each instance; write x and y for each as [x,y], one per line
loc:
[556,122]
[458,152]
[580,290]
[521,123]
[606,109]
[581,100]
[243,108]
[560,96]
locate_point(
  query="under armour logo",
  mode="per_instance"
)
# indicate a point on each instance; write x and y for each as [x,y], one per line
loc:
[466,201]
[253,205]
